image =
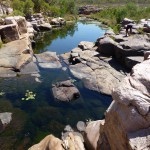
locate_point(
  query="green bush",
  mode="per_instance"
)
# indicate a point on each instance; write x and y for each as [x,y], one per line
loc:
[18,13]
[1,44]
[113,16]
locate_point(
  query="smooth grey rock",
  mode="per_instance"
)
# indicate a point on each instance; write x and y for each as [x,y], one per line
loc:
[5,118]
[29,68]
[65,91]
[45,27]
[81,126]
[7,72]
[48,60]
[106,46]
[84,45]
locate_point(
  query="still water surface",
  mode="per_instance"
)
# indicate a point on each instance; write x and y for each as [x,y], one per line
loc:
[34,119]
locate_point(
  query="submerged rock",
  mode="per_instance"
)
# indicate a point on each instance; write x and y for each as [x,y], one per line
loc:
[5,118]
[65,91]
[81,126]
[122,47]
[48,60]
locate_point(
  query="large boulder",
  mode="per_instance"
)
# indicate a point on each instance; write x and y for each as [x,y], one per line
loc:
[22,25]
[127,119]
[48,143]
[72,141]
[92,134]
[15,55]
[124,47]
[106,46]
[65,91]
[9,33]
[19,21]
[130,109]
[97,76]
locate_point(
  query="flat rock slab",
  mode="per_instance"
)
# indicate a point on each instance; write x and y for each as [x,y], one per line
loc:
[85,45]
[65,91]
[7,72]
[48,60]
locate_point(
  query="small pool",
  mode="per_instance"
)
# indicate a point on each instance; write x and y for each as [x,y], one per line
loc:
[34,119]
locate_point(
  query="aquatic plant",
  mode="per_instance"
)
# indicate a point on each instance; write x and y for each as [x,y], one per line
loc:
[2,93]
[29,95]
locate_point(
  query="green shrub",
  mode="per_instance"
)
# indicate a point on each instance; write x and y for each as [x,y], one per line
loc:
[18,13]
[1,44]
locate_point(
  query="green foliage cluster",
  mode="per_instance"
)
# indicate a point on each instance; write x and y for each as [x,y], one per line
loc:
[1,44]
[22,7]
[113,16]
[29,95]
[49,7]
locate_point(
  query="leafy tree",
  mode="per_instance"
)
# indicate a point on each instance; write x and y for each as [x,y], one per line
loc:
[28,7]
[18,6]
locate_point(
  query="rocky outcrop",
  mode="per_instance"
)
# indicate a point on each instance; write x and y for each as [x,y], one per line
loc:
[65,91]
[123,48]
[92,134]
[16,54]
[5,10]
[15,29]
[39,23]
[86,10]
[72,141]
[13,54]
[9,33]
[49,143]
[127,120]
[94,70]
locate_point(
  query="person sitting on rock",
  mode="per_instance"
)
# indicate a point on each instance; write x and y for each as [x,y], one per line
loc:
[129,26]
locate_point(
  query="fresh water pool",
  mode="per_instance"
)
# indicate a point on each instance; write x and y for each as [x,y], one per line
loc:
[34,119]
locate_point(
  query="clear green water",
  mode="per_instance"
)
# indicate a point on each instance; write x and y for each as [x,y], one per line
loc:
[34,119]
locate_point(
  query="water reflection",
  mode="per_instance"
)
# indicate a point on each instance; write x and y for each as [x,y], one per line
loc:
[64,39]
[44,39]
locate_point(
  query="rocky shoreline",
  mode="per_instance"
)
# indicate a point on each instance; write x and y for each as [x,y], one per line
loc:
[99,66]
[127,119]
